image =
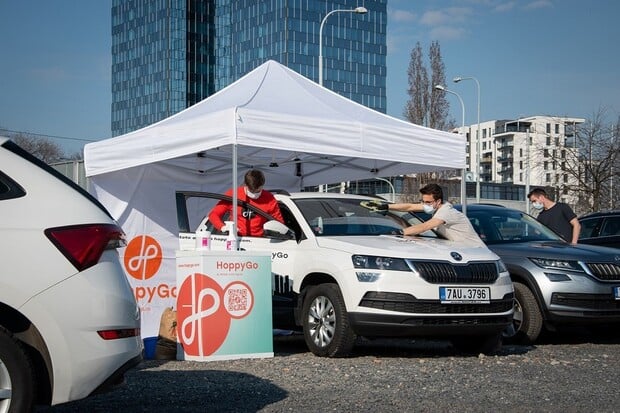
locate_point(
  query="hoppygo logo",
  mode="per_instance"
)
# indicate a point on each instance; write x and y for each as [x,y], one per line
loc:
[205,311]
[143,257]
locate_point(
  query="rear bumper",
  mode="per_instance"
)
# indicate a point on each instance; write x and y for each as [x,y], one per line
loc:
[117,378]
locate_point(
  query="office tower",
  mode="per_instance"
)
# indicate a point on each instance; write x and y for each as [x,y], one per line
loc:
[170,54]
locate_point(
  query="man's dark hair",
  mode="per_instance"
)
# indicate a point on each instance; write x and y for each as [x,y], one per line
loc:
[254,179]
[434,190]
[537,192]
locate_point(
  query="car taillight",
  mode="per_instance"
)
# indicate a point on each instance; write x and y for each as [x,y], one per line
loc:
[116,334]
[84,244]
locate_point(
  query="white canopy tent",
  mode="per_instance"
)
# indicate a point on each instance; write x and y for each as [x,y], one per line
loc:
[275,115]
[273,119]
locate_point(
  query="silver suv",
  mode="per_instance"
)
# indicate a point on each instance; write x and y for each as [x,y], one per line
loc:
[555,283]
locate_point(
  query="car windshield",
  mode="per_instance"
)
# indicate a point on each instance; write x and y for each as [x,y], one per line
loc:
[504,225]
[345,216]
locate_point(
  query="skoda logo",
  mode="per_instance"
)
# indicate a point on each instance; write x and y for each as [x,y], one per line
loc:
[617,258]
[456,256]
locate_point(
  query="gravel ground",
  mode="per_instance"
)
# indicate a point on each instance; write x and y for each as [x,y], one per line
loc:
[562,374]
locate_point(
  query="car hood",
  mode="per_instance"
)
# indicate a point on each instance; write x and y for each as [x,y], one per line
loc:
[555,249]
[408,247]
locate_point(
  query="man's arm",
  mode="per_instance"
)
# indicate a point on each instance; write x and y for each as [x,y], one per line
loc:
[576,229]
[274,210]
[216,214]
[425,226]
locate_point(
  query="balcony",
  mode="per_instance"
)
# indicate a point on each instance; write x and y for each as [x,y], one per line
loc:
[503,145]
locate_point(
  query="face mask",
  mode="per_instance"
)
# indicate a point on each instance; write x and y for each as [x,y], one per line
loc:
[429,209]
[537,205]
[253,195]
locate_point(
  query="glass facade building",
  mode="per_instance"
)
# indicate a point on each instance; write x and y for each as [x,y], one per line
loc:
[170,54]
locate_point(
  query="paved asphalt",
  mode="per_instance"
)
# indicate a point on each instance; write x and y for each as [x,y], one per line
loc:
[563,373]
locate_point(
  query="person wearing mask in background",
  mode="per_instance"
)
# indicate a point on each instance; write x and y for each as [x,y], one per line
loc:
[556,215]
[252,192]
[447,221]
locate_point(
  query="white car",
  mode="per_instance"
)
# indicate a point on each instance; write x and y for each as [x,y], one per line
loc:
[69,323]
[341,270]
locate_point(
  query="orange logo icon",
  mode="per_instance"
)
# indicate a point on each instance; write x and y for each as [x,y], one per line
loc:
[143,257]
[205,311]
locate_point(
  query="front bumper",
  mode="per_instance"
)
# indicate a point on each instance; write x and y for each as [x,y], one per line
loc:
[429,317]
[383,325]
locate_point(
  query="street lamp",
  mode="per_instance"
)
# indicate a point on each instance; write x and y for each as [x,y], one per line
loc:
[457,80]
[391,187]
[357,10]
[463,183]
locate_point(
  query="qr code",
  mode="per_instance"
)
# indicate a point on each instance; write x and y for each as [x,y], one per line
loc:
[237,299]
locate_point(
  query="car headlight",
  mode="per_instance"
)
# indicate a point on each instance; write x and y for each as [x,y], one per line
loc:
[370,262]
[501,267]
[556,264]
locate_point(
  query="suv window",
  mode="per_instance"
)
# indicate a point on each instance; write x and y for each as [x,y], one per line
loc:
[611,226]
[329,217]
[588,227]
[9,189]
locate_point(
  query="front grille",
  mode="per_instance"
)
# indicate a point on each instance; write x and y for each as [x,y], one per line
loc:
[606,271]
[588,301]
[407,303]
[447,273]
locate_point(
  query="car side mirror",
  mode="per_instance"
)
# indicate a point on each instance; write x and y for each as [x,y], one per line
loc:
[277,230]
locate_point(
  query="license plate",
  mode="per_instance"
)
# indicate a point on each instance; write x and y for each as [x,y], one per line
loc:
[617,293]
[467,295]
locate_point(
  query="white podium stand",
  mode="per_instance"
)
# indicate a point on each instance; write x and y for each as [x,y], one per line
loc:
[223,305]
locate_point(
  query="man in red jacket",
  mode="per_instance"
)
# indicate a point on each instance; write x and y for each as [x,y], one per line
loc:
[252,192]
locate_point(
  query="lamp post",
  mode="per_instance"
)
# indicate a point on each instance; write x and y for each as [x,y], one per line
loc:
[391,187]
[357,10]
[457,80]
[463,183]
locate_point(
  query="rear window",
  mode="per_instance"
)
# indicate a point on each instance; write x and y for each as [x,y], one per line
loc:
[9,189]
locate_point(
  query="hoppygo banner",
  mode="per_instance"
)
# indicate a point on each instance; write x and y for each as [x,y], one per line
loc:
[223,305]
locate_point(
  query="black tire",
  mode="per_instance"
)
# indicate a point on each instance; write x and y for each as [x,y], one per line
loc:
[17,385]
[488,344]
[325,321]
[528,320]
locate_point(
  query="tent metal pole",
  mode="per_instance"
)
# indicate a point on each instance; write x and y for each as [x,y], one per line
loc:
[234,186]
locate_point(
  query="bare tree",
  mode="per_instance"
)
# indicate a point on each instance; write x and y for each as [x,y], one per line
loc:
[591,162]
[42,148]
[438,109]
[426,105]
[417,107]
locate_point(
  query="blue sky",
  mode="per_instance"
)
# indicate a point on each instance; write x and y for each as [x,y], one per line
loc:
[543,57]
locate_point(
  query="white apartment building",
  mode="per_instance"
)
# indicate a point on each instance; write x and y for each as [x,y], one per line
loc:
[530,151]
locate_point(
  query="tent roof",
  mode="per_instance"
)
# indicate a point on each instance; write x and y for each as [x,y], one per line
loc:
[275,116]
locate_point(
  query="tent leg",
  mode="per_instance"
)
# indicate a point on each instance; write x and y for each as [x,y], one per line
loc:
[463,192]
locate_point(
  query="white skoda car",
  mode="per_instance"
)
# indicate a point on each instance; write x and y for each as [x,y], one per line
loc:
[69,323]
[341,270]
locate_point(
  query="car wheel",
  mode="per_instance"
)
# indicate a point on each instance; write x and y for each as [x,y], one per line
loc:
[527,320]
[489,344]
[326,324]
[16,376]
